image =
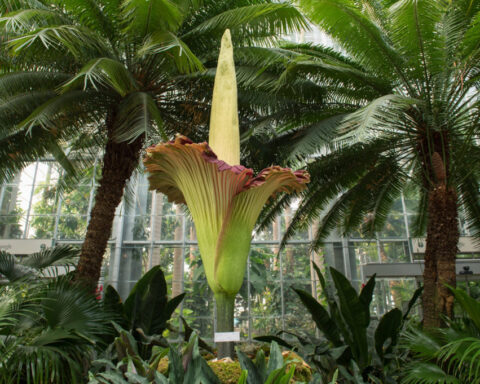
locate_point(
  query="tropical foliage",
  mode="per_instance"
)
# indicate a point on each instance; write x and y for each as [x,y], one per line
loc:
[402,115]
[276,371]
[111,74]
[146,310]
[49,331]
[353,349]
[446,356]
[46,263]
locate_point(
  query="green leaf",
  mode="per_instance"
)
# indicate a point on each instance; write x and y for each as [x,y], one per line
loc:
[388,330]
[173,49]
[320,316]
[254,376]
[243,377]
[198,371]
[103,72]
[354,314]
[278,340]
[138,116]
[366,295]
[413,300]
[146,17]
[468,304]
[276,359]
[175,367]
[147,301]
[112,300]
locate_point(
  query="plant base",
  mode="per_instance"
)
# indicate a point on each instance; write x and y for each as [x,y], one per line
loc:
[225,306]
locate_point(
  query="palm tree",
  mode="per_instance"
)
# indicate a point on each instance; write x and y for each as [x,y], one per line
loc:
[402,109]
[114,71]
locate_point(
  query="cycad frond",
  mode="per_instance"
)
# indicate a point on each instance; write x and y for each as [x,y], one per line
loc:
[342,20]
[379,116]
[138,115]
[414,26]
[258,20]
[19,82]
[26,20]
[103,72]
[146,17]
[88,13]
[78,41]
[166,42]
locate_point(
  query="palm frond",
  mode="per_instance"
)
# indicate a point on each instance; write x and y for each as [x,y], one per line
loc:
[332,188]
[138,115]
[342,20]
[414,27]
[146,17]
[469,188]
[11,269]
[88,13]
[26,20]
[20,148]
[78,41]
[261,20]
[316,133]
[461,358]
[53,115]
[20,82]
[103,72]
[175,49]
[427,373]
[60,255]
[381,114]
[15,5]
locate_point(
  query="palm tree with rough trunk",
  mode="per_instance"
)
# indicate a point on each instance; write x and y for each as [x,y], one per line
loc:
[401,113]
[115,72]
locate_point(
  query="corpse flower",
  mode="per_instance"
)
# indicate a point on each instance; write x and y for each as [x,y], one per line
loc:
[224,198]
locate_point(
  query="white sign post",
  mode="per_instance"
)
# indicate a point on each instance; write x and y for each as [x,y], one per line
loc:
[224,337]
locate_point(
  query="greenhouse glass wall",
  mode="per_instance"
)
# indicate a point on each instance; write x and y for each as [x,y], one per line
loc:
[35,211]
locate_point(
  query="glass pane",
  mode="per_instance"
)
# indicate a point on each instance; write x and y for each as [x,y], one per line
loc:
[296,262]
[41,227]
[365,252]
[264,265]
[168,228]
[133,264]
[14,200]
[394,227]
[47,173]
[72,227]
[267,303]
[262,326]
[394,252]
[11,226]
[76,201]
[136,228]
[269,233]
[45,200]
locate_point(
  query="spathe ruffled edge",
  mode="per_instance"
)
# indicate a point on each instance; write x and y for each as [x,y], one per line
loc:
[298,178]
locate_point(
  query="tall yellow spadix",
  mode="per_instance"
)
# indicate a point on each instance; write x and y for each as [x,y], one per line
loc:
[224,137]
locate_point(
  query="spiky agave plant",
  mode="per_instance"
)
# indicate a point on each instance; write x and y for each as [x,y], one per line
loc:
[224,198]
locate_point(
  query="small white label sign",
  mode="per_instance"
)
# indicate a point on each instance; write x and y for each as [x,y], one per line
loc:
[222,337]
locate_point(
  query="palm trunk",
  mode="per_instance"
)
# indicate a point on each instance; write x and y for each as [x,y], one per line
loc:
[440,254]
[119,162]
[225,307]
